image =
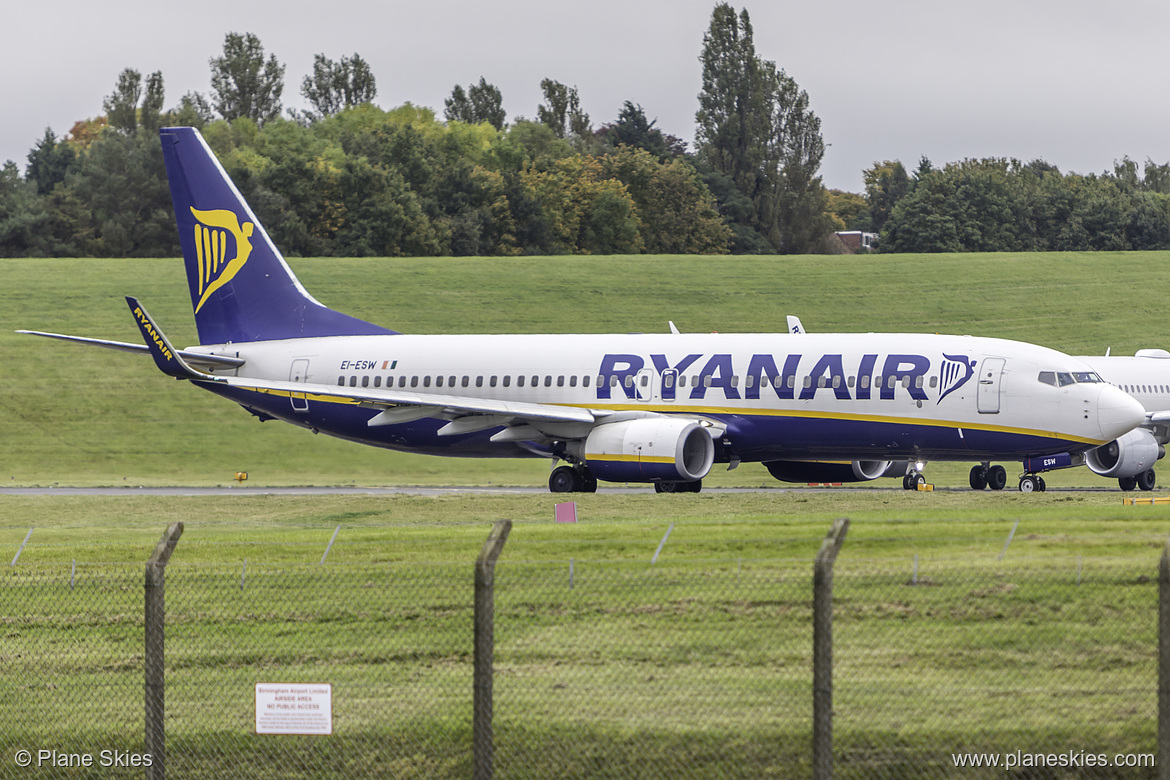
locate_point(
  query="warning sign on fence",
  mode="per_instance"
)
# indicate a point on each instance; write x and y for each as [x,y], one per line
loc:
[294,708]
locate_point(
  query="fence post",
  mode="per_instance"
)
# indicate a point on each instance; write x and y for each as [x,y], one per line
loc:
[823,650]
[153,660]
[1164,664]
[485,567]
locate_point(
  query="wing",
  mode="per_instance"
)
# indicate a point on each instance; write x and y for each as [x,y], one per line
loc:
[525,421]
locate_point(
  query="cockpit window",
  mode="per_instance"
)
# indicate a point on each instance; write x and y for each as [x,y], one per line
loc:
[1063,378]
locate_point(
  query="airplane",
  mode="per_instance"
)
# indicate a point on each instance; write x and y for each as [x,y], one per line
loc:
[646,408]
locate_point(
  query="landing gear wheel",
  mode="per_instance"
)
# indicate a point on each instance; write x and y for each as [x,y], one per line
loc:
[1040,484]
[564,479]
[1127,483]
[997,478]
[1145,480]
[912,481]
[1028,484]
[678,487]
[978,478]
[588,482]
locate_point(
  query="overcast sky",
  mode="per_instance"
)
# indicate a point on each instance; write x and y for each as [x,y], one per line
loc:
[1077,83]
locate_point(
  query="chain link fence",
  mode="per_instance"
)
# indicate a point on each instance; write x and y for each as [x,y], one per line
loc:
[602,669]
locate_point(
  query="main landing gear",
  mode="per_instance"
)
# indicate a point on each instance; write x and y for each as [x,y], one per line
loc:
[987,476]
[678,487]
[572,479]
[1143,481]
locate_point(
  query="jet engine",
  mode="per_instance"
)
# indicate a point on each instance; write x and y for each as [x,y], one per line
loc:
[819,471]
[650,449]
[1132,454]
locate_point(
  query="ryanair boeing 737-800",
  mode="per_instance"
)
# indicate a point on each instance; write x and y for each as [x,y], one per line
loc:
[659,409]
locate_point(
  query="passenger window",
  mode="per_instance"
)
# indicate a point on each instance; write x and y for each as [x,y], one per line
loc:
[645,381]
[836,382]
[560,381]
[573,381]
[865,381]
[479,381]
[891,381]
[548,381]
[585,381]
[377,381]
[414,381]
[492,382]
[613,380]
[341,381]
[668,381]
[821,381]
[851,381]
[427,380]
[749,381]
[353,381]
[536,381]
[707,381]
[450,381]
[808,381]
[520,381]
[629,381]
[466,381]
[918,381]
[507,380]
[934,381]
[777,381]
[402,381]
[438,381]
[365,381]
[791,381]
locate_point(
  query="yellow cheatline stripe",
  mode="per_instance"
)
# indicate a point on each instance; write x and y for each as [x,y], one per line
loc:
[713,410]
[817,415]
[630,458]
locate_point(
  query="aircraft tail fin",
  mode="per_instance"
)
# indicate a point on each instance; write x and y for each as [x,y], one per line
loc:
[241,287]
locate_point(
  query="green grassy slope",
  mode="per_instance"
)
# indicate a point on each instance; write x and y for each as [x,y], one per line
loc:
[75,415]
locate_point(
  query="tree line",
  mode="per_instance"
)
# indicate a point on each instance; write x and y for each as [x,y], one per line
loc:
[346,177]
[1004,205]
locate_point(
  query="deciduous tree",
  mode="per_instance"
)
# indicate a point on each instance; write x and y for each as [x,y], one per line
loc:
[243,83]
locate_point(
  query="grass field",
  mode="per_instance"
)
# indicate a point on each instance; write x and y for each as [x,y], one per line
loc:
[697,666]
[84,416]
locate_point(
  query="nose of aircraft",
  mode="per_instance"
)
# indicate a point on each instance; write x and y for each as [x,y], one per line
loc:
[1118,412]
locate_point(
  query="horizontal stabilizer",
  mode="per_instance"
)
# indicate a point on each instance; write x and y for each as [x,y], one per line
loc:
[194,358]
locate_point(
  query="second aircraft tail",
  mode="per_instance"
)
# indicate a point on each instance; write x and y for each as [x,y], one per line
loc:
[241,287]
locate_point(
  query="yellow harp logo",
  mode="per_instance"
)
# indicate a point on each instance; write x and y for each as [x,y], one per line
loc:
[211,247]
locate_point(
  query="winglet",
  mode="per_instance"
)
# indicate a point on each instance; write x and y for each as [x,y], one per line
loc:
[165,356]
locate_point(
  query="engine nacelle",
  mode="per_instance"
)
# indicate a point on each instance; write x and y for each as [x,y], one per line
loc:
[650,449]
[854,471]
[1132,454]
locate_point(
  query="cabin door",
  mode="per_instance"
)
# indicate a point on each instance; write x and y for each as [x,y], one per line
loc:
[989,378]
[298,373]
